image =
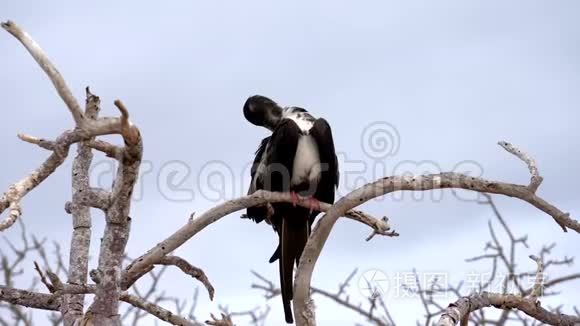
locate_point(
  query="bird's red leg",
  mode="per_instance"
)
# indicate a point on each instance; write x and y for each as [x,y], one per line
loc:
[314,204]
[294,198]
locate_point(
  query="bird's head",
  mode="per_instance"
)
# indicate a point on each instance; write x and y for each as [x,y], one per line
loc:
[262,111]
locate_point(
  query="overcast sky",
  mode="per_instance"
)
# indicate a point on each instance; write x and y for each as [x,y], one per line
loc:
[442,81]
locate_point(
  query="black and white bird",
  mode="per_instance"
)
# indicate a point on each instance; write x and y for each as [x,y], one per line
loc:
[298,157]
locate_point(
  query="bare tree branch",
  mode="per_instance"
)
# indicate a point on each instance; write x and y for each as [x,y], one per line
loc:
[513,277]
[222,321]
[29,299]
[116,233]
[53,301]
[141,265]
[156,310]
[117,218]
[86,129]
[110,150]
[189,269]
[257,315]
[11,198]
[51,71]
[529,306]
[302,301]
[111,280]
[538,288]
[73,306]
[536,179]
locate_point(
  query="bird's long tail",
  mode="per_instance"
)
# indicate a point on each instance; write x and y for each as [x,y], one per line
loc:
[292,241]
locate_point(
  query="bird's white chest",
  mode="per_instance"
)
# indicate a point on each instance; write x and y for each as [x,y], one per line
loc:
[306,162]
[303,120]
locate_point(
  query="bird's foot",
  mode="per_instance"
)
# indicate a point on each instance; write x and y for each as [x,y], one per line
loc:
[294,196]
[314,204]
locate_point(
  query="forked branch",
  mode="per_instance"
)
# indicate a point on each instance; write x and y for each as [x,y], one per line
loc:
[302,302]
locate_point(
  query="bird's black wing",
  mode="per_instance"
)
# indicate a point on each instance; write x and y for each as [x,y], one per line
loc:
[259,153]
[329,178]
[257,213]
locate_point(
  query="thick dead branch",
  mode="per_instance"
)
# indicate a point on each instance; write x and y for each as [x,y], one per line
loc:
[117,213]
[529,306]
[73,305]
[141,265]
[117,227]
[11,198]
[53,302]
[59,290]
[29,299]
[86,129]
[108,149]
[152,295]
[50,70]
[387,185]
[91,197]
[43,143]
